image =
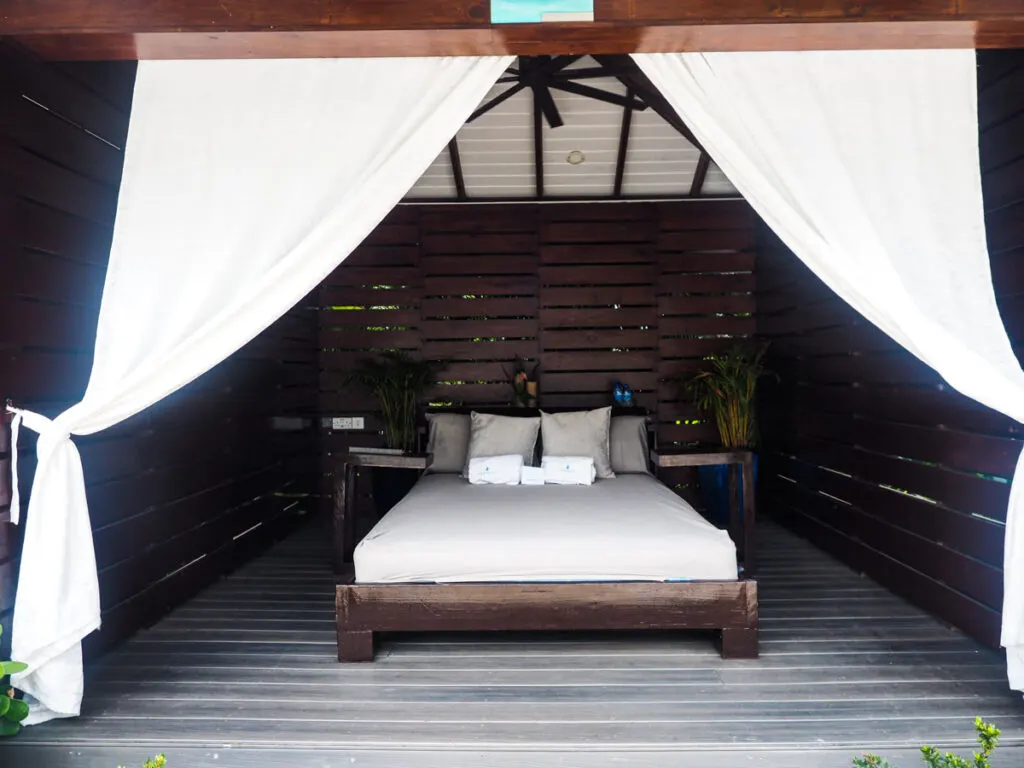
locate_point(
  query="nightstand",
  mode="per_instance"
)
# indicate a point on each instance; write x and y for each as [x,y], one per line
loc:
[741,528]
[344,483]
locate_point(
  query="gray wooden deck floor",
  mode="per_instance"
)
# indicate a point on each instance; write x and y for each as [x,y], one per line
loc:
[245,675]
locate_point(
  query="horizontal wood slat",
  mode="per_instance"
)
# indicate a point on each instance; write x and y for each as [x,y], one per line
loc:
[596,295]
[866,449]
[972,535]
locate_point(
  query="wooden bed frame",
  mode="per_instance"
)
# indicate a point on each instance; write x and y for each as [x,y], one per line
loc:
[728,607]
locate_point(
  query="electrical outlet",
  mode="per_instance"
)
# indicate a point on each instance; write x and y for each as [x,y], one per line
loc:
[348,423]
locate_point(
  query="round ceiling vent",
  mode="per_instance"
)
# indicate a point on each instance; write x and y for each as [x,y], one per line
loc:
[575,157]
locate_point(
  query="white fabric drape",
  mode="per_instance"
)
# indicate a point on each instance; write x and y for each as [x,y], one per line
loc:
[245,183]
[865,163]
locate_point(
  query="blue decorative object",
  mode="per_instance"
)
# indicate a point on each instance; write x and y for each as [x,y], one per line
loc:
[622,394]
[535,11]
[714,491]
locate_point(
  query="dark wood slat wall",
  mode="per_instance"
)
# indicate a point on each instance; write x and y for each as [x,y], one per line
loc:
[593,292]
[172,490]
[867,452]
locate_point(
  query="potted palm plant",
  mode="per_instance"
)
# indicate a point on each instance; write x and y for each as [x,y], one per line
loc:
[400,384]
[726,391]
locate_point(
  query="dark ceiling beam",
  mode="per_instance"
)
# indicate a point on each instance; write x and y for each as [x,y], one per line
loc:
[535,72]
[548,106]
[626,102]
[538,142]
[633,78]
[699,174]
[500,98]
[124,29]
[583,73]
[456,161]
[620,160]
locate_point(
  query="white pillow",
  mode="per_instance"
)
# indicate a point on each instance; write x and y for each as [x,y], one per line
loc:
[579,433]
[493,435]
[448,441]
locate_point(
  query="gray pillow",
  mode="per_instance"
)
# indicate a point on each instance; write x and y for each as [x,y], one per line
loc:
[493,435]
[629,445]
[448,441]
[579,433]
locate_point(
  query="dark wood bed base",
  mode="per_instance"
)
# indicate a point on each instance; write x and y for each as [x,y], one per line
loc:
[727,607]
[730,607]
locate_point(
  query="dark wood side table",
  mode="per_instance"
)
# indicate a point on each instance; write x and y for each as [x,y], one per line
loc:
[344,484]
[741,529]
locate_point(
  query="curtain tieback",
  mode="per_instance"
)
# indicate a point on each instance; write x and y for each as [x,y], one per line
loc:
[48,439]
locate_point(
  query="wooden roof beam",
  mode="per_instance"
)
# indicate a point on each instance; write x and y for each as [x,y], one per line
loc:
[127,29]
[538,142]
[630,75]
[596,93]
[456,161]
[508,93]
[699,174]
[620,160]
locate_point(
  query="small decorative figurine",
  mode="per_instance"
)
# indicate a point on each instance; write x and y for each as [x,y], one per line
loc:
[523,383]
[622,394]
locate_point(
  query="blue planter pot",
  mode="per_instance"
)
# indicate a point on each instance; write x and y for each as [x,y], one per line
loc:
[714,491]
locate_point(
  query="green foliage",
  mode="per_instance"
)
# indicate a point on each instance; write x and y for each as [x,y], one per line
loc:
[12,710]
[727,392]
[157,762]
[871,761]
[400,384]
[988,738]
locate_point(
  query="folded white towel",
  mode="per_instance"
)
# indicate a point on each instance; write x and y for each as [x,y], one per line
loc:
[496,470]
[532,476]
[568,470]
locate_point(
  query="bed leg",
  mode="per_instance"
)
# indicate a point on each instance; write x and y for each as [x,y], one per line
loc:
[355,646]
[738,644]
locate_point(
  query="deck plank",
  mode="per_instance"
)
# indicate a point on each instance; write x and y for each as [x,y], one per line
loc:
[245,674]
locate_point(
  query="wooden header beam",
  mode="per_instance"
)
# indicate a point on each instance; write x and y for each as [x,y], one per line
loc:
[127,29]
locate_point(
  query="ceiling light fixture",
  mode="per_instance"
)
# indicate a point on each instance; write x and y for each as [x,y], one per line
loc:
[575,157]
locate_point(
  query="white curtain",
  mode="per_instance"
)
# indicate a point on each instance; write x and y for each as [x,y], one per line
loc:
[245,183]
[865,163]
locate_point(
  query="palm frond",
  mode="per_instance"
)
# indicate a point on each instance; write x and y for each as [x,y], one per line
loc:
[400,383]
[727,392]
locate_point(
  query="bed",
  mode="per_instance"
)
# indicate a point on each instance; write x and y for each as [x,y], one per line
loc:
[623,553]
[631,528]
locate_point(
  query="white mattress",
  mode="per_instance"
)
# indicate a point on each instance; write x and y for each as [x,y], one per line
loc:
[631,528]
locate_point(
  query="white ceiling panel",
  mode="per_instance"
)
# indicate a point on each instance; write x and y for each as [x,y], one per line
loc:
[438,181]
[716,182]
[659,161]
[497,151]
